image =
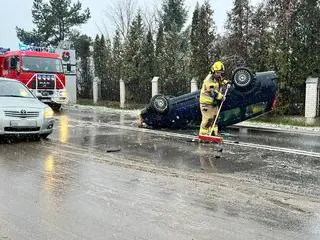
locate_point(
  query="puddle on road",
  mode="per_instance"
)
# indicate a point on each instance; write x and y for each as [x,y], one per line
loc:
[177,154]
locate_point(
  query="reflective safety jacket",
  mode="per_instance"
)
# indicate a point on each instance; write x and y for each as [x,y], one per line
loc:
[211,90]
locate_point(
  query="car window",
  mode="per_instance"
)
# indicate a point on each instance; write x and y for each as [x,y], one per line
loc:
[41,64]
[14,89]
[255,108]
[6,63]
[231,115]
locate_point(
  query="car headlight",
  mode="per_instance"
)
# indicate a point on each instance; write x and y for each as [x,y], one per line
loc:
[63,94]
[48,113]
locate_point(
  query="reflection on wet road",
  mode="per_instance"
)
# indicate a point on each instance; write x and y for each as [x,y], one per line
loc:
[91,181]
[306,142]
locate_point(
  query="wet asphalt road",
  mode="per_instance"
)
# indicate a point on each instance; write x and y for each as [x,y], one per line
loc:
[100,177]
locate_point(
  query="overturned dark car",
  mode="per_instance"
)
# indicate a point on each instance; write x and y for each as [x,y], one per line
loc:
[250,95]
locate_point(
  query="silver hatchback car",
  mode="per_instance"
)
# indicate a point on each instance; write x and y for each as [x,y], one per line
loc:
[21,113]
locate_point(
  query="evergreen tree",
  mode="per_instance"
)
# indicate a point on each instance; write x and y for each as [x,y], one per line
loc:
[107,84]
[238,29]
[97,56]
[219,47]
[102,57]
[159,51]
[147,67]
[306,38]
[202,39]
[305,47]
[54,21]
[32,37]
[175,59]
[282,26]
[82,47]
[175,79]
[261,38]
[116,65]
[132,58]
[194,42]
[160,40]
[174,14]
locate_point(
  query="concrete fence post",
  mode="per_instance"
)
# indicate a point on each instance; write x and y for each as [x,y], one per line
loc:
[194,85]
[122,93]
[99,89]
[95,90]
[155,86]
[311,101]
[318,100]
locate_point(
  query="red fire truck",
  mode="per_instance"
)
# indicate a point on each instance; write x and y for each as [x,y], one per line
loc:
[40,70]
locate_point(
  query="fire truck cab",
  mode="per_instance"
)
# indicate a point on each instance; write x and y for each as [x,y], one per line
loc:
[40,70]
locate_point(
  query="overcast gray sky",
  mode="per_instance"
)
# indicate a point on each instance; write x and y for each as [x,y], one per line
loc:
[18,13]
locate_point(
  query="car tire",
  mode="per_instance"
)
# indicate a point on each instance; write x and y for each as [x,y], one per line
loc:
[160,103]
[242,78]
[56,107]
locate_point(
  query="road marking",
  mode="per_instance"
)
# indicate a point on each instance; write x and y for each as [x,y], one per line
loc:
[272,148]
[116,125]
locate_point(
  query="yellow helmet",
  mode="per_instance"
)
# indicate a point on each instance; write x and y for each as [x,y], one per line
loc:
[217,66]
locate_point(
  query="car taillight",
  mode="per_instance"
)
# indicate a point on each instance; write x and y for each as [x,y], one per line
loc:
[274,103]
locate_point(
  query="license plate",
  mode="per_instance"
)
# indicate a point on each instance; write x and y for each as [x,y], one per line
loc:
[45,84]
[23,123]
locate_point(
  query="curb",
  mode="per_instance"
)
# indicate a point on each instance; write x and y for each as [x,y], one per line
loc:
[279,128]
[101,109]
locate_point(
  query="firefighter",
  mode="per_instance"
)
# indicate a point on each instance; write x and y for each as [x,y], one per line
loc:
[210,97]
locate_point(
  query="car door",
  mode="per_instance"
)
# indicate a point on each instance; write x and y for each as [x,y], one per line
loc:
[6,67]
[14,67]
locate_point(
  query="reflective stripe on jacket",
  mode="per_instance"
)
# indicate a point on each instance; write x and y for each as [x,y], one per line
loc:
[210,85]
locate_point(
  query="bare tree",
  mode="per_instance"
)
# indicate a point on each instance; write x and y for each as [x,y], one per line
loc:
[151,17]
[122,12]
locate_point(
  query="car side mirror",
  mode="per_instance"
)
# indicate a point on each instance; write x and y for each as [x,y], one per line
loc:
[18,67]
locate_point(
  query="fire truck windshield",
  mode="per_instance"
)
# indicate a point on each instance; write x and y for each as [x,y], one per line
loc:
[41,64]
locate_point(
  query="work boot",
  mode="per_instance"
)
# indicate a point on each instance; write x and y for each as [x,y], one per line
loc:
[204,131]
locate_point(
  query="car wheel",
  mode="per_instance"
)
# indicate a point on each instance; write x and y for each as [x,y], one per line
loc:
[160,103]
[242,77]
[55,107]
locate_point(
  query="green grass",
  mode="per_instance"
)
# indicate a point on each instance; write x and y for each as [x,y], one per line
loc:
[298,121]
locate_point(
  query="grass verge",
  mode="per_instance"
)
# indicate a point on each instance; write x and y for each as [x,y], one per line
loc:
[298,121]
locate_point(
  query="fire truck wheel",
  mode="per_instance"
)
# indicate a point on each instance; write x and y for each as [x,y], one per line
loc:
[39,137]
[44,136]
[56,107]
